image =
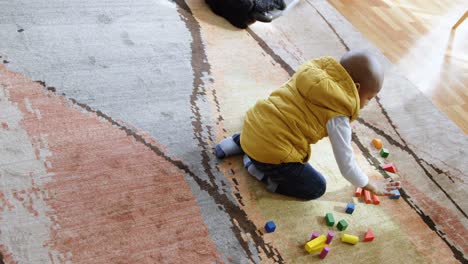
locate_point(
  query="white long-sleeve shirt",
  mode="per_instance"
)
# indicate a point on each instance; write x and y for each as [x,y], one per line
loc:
[339,132]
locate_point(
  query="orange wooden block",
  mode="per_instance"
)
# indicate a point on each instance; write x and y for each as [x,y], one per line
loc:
[367,197]
[377,143]
[358,192]
[369,236]
[390,167]
[375,198]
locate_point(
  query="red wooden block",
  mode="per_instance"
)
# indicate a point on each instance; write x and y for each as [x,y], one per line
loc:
[358,192]
[369,236]
[375,198]
[367,197]
[390,167]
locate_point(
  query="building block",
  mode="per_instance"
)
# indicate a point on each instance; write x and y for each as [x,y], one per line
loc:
[395,194]
[315,244]
[390,167]
[384,153]
[315,234]
[330,237]
[319,247]
[329,219]
[350,208]
[324,252]
[350,239]
[367,197]
[342,225]
[377,143]
[375,199]
[270,226]
[369,236]
[358,192]
[313,248]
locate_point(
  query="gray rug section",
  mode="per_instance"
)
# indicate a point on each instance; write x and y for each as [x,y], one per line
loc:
[130,60]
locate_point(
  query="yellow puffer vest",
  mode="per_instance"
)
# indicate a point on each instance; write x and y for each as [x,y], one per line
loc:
[281,128]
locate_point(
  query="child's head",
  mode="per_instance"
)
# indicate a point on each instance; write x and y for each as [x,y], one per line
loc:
[366,71]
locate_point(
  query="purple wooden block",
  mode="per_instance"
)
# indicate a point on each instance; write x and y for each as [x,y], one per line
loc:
[324,252]
[330,237]
[314,235]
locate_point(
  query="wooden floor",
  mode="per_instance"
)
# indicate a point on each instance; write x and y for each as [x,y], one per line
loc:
[417,36]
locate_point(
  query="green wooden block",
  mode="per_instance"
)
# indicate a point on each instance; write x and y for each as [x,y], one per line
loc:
[329,219]
[342,225]
[384,152]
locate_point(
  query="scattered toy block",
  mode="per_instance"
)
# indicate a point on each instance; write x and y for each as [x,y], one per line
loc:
[367,197]
[342,225]
[350,208]
[319,247]
[314,235]
[324,252]
[330,237]
[270,226]
[375,199]
[358,192]
[384,153]
[390,167]
[377,143]
[395,194]
[315,244]
[369,236]
[329,219]
[350,239]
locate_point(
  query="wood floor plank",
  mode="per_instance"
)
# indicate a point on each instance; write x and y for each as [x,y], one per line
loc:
[416,35]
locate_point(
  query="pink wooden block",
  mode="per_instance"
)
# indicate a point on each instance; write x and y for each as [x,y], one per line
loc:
[330,236]
[314,235]
[324,252]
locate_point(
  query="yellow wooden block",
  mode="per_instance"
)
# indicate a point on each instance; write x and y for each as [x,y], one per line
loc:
[316,244]
[350,239]
[320,248]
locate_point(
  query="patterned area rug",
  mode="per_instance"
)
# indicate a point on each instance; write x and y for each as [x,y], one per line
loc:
[109,112]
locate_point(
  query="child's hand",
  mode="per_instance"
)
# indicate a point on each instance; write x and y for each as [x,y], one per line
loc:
[383,187]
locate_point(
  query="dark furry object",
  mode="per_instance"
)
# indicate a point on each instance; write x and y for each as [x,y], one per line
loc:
[242,13]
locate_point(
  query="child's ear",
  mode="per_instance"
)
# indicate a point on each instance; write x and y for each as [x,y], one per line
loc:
[358,85]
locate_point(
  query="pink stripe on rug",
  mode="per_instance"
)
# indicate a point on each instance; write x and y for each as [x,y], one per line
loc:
[112,199]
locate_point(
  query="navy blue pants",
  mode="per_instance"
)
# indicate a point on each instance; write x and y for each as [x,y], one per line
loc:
[293,179]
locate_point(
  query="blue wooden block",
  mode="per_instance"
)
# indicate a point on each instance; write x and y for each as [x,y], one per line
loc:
[350,208]
[395,194]
[270,226]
